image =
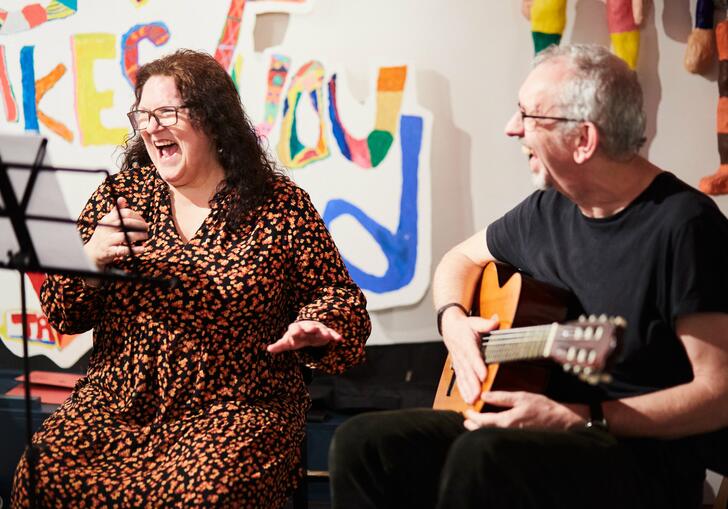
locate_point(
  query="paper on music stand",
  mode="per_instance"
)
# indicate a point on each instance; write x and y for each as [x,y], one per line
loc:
[50,224]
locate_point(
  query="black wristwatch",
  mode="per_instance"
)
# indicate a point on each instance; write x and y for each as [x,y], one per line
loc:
[596,417]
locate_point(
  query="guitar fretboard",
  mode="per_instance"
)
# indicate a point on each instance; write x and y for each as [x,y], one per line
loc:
[523,343]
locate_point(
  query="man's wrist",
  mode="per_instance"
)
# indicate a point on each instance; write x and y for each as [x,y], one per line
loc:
[596,417]
[441,312]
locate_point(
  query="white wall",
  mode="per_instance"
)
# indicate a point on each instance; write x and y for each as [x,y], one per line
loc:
[470,58]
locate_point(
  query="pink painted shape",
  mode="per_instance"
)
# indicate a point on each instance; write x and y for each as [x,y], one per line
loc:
[359,150]
[307,155]
[11,108]
[74,66]
[35,14]
[619,16]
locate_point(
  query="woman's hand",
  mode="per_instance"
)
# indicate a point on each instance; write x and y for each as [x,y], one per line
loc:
[108,242]
[302,334]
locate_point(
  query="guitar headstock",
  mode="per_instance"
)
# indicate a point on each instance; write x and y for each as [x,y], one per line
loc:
[587,347]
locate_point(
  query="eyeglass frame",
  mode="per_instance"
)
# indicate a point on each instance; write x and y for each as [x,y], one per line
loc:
[525,115]
[151,113]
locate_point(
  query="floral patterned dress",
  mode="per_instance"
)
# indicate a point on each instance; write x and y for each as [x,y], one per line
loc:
[182,405]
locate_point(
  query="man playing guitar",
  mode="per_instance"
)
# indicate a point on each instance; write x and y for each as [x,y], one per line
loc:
[625,238]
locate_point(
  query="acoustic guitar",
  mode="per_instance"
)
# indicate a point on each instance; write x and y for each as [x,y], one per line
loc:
[585,347]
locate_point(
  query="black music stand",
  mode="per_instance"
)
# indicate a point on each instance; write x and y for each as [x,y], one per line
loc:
[23,253]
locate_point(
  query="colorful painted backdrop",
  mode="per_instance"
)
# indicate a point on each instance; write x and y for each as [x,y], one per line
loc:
[67,69]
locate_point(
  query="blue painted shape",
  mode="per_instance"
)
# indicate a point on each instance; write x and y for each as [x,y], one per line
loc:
[314,99]
[400,247]
[71,4]
[27,67]
[336,126]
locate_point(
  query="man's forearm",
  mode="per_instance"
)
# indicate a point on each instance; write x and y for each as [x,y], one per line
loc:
[696,407]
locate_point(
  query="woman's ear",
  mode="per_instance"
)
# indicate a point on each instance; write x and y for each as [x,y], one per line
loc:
[586,142]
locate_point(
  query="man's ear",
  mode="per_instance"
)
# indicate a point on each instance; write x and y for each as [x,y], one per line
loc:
[586,142]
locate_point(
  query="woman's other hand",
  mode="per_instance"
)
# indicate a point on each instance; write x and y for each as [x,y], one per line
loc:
[108,243]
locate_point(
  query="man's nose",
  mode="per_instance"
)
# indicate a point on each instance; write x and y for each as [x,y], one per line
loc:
[514,126]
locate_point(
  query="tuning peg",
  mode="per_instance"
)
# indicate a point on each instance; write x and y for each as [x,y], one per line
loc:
[571,353]
[603,318]
[567,367]
[581,355]
[592,356]
[619,321]
[582,318]
[588,333]
[592,318]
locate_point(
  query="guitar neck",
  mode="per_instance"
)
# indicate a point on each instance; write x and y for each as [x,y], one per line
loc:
[523,343]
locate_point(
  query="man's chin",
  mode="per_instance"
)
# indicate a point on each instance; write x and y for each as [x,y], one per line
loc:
[539,181]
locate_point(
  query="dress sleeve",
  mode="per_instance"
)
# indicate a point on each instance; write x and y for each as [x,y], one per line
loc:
[70,305]
[323,289]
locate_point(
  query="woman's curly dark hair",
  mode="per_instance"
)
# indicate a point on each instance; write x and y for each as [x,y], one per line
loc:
[210,95]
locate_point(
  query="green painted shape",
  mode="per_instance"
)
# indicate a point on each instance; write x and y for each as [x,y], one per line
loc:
[541,41]
[379,143]
[295,144]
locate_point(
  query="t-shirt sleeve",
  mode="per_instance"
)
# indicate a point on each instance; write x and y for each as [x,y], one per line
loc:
[699,266]
[508,236]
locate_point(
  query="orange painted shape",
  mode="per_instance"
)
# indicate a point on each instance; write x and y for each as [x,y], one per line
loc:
[35,14]
[721,39]
[41,87]
[620,17]
[722,117]
[56,126]
[391,79]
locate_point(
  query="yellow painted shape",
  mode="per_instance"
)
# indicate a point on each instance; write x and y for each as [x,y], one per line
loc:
[87,48]
[626,45]
[548,16]
[388,106]
[309,78]
[57,10]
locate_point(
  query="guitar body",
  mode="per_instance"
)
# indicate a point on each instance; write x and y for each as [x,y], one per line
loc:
[519,301]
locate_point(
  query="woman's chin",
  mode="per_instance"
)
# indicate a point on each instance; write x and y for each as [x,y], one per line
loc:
[171,175]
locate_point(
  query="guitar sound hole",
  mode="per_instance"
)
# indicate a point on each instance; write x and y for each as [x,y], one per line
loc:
[451,385]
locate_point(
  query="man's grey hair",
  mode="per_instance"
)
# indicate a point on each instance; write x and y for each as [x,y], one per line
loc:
[601,88]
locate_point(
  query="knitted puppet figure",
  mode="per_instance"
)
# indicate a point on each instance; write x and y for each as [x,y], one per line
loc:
[624,17]
[699,58]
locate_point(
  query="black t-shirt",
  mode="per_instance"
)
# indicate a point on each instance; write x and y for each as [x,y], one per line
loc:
[663,256]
